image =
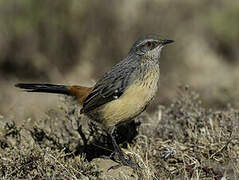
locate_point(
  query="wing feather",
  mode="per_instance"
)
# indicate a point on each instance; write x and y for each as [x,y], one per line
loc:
[110,87]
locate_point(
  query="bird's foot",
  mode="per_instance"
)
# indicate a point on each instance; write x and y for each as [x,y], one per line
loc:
[122,160]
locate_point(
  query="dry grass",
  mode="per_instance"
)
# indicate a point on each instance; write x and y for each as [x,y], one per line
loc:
[64,41]
[191,142]
[183,141]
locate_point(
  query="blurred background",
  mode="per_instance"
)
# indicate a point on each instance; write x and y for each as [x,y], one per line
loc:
[75,42]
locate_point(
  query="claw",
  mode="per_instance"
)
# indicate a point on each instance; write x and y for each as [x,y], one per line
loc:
[118,155]
[114,167]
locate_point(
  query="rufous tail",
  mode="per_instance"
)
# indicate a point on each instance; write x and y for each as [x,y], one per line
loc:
[80,92]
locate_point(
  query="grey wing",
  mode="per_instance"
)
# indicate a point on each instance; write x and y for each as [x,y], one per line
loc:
[107,89]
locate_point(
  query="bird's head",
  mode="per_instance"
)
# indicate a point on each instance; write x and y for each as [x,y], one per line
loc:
[149,46]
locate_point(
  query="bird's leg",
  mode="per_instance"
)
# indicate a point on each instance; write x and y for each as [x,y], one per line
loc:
[120,155]
[117,149]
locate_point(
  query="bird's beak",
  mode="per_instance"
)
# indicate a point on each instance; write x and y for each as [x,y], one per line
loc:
[164,42]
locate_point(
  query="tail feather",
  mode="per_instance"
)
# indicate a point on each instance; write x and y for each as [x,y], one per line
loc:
[44,88]
[80,92]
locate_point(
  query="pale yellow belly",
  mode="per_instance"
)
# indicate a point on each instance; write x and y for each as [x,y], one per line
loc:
[130,104]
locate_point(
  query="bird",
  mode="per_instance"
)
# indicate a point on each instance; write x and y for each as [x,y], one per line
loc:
[120,94]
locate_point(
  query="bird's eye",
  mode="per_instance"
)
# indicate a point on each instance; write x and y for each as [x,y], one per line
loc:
[146,47]
[149,45]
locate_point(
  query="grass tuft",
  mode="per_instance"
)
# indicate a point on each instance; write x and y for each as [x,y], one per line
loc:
[181,141]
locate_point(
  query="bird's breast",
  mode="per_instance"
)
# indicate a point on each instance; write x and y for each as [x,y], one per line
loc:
[136,97]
